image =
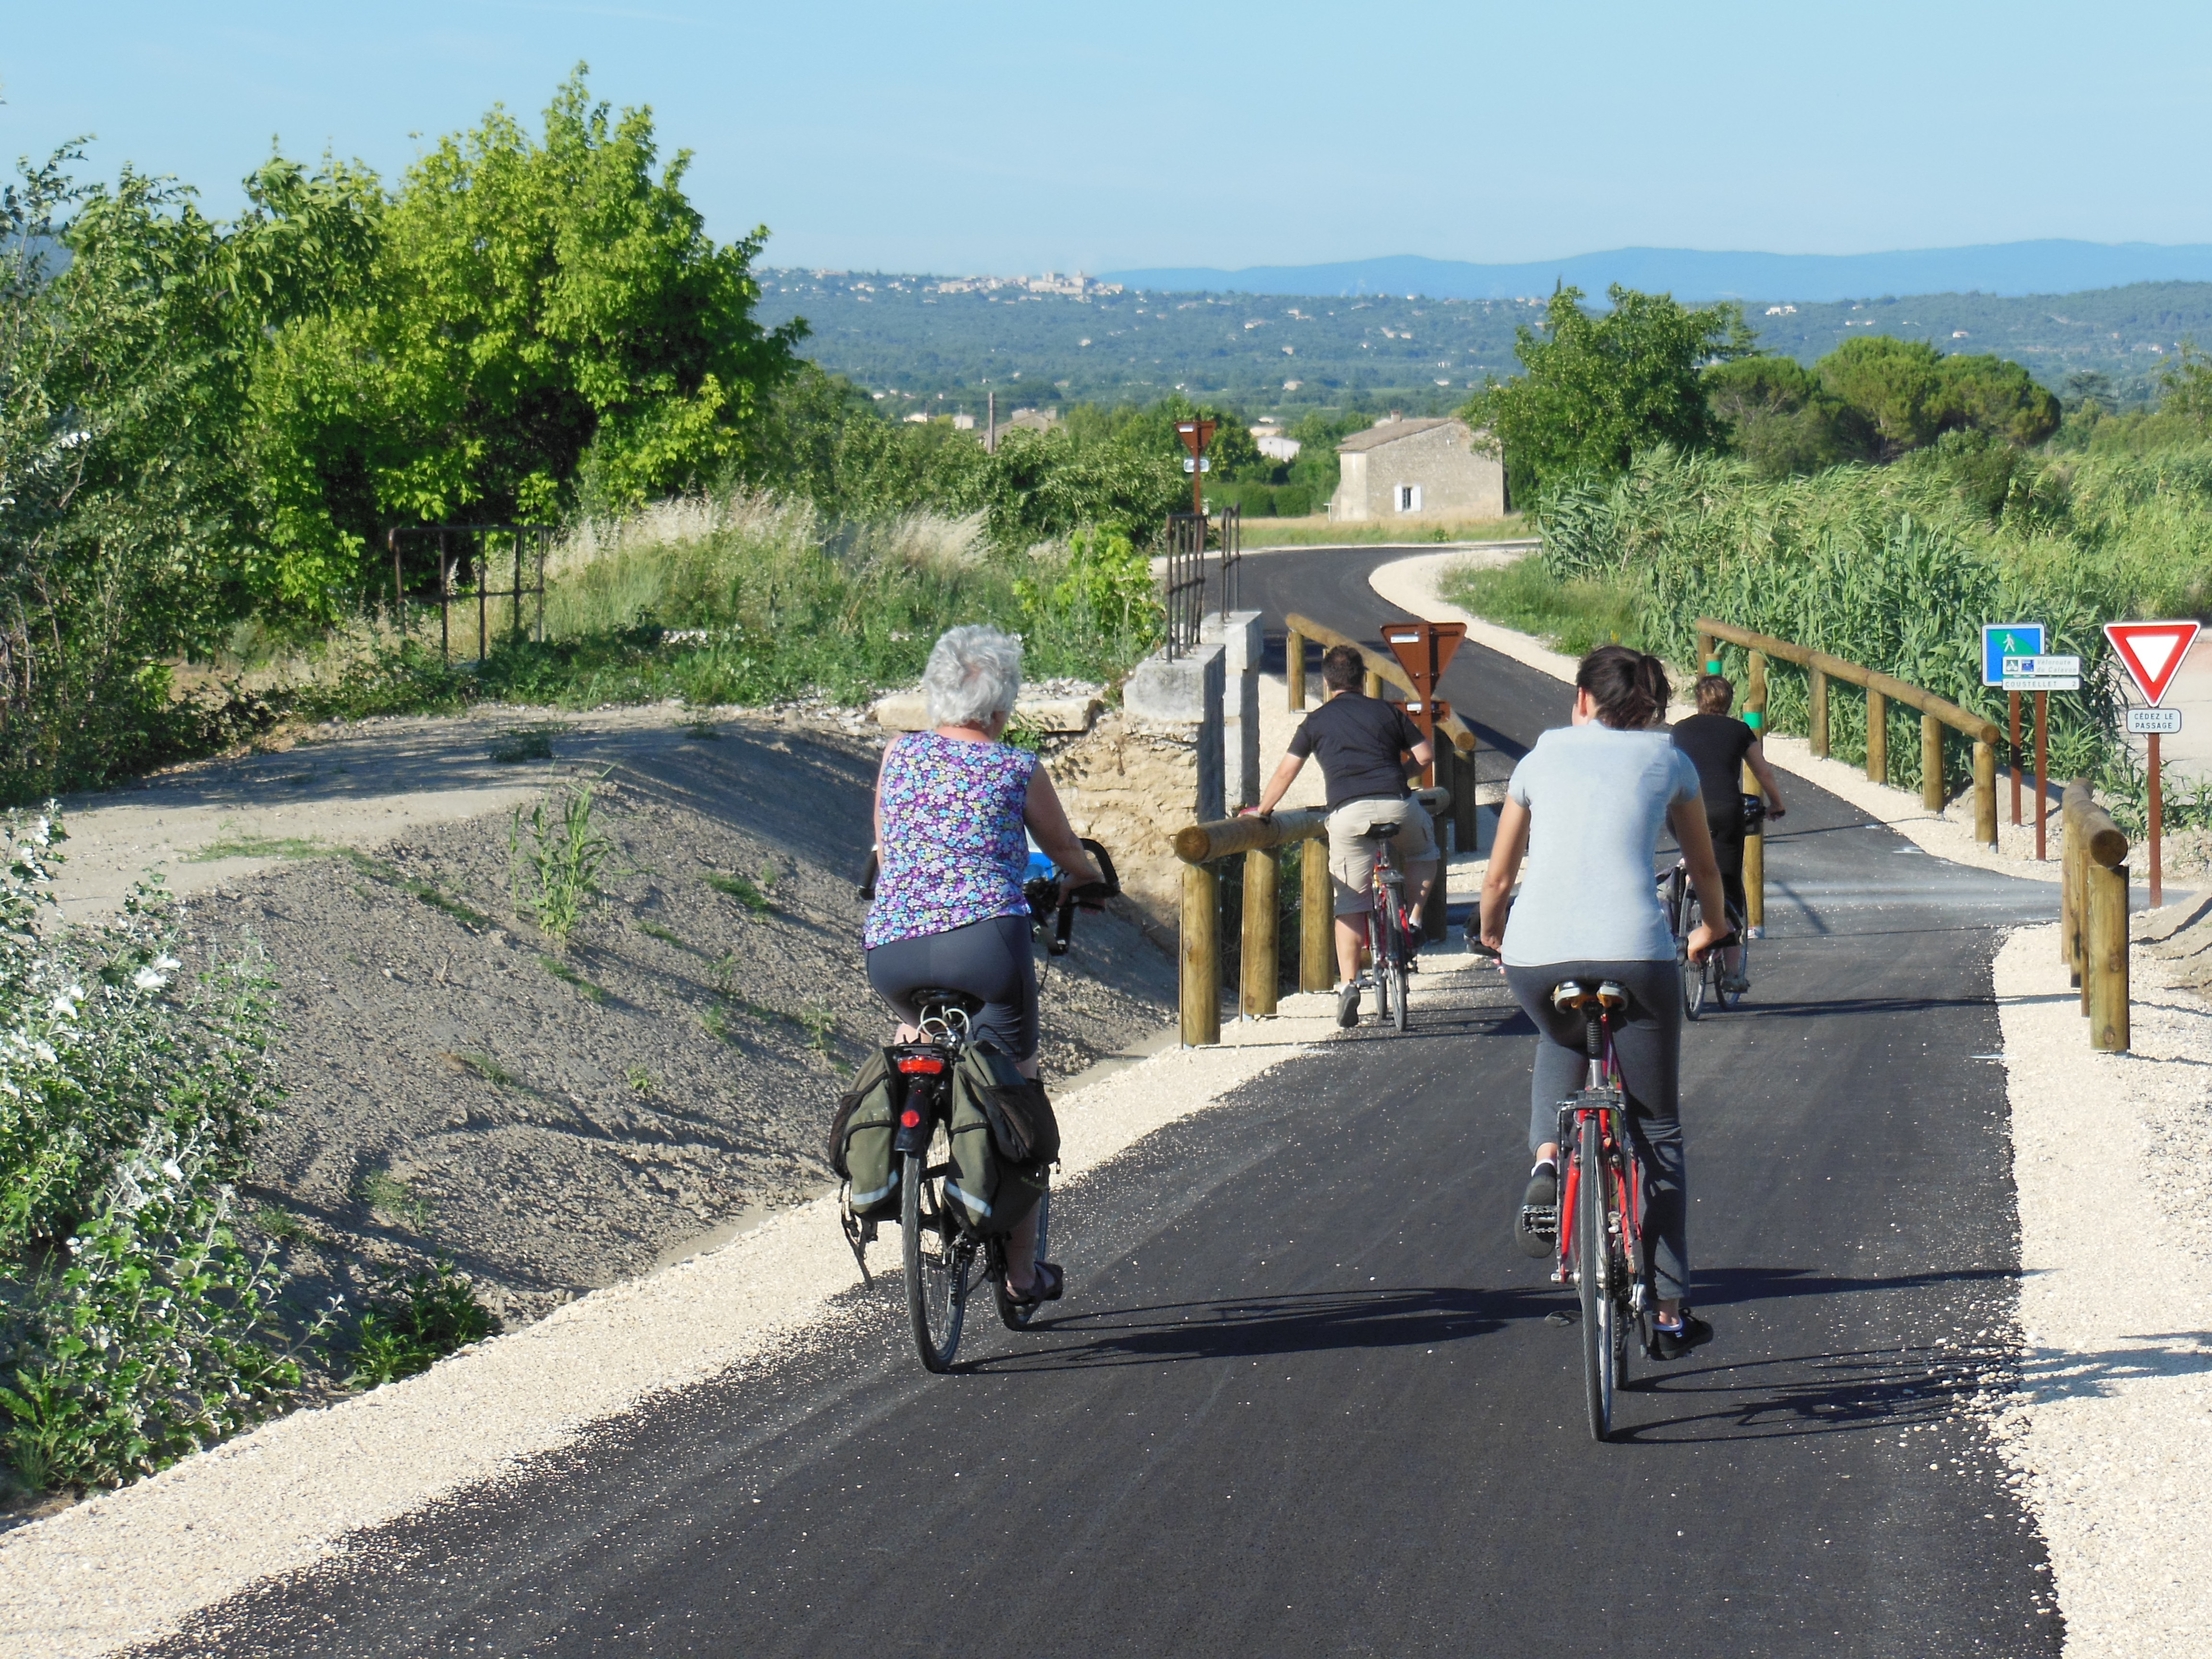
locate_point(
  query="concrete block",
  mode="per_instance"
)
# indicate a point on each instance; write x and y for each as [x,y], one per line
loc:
[1184,692]
[1243,642]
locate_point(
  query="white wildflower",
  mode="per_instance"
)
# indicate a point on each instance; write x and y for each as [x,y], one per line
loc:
[42,832]
[147,980]
[167,963]
[45,1051]
[10,1088]
[63,1006]
[169,1169]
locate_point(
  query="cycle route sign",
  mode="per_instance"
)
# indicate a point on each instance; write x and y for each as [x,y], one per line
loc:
[2003,640]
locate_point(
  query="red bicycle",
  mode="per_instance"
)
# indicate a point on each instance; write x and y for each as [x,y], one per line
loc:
[1600,1219]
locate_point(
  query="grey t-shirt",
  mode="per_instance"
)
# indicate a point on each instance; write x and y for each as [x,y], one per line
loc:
[1597,802]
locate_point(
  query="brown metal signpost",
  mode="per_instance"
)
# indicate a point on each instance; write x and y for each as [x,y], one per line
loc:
[1424,650]
[1196,436]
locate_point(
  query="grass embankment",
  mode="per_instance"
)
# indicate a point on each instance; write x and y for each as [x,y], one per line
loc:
[1895,566]
[747,601]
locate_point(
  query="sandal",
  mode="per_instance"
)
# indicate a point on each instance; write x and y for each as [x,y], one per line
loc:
[1046,1286]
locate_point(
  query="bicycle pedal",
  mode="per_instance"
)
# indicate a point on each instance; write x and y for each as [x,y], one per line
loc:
[1541,1220]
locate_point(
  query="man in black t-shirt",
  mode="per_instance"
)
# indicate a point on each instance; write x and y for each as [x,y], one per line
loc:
[1720,746]
[1361,742]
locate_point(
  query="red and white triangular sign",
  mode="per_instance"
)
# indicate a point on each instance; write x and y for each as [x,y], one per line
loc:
[2151,653]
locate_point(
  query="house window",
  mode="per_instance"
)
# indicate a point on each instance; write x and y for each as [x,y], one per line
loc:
[1409,498]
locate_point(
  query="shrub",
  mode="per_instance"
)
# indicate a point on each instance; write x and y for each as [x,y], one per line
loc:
[554,866]
[413,1319]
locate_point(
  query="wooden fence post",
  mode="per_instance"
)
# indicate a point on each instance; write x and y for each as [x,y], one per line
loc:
[1818,721]
[1931,762]
[1706,649]
[2106,956]
[1261,966]
[1294,668]
[1985,793]
[1316,916]
[1202,956]
[1466,811]
[1374,684]
[1877,737]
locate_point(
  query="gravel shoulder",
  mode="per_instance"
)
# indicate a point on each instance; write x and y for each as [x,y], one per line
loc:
[2107,1425]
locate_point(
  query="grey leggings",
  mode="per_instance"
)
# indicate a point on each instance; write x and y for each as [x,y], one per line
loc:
[1648,1047]
[988,959]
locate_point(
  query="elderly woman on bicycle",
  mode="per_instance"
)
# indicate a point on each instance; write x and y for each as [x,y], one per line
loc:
[1596,796]
[951,805]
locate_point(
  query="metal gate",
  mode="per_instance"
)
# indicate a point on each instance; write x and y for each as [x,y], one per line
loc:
[470,558]
[1190,536]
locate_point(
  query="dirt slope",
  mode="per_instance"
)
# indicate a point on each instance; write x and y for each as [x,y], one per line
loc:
[557,1120]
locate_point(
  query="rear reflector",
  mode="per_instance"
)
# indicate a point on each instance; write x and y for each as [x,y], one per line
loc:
[928,1065]
[911,1119]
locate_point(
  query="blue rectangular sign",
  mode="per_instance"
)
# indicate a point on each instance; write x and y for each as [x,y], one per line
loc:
[2003,640]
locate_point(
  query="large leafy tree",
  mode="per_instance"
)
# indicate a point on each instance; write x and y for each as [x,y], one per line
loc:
[1595,389]
[1783,419]
[540,321]
[1912,393]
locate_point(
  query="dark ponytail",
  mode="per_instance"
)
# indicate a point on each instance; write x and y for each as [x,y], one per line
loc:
[1629,687]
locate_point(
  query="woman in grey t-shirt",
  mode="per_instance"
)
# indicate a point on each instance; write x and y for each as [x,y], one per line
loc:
[1596,796]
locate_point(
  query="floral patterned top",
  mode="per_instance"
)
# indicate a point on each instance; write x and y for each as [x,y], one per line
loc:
[953,848]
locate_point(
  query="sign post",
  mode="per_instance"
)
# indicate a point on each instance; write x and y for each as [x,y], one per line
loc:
[2000,640]
[2153,652]
[2041,675]
[1196,436]
[1424,650]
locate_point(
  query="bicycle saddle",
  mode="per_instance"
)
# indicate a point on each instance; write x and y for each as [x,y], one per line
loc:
[1581,993]
[1380,831]
[929,997]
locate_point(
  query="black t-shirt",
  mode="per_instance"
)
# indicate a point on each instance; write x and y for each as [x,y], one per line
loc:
[1358,738]
[1716,745]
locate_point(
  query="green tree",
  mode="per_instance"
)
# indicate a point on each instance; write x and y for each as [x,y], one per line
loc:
[1783,419]
[1596,389]
[2185,385]
[1913,393]
[539,321]
[1991,395]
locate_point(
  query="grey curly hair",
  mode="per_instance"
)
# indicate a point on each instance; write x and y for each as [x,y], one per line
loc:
[974,672]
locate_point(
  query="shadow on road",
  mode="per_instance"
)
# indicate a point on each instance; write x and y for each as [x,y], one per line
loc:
[1312,1322]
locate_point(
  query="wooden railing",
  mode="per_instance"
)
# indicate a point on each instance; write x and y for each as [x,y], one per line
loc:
[1381,668]
[1881,690]
[2092,916]
[1202,846]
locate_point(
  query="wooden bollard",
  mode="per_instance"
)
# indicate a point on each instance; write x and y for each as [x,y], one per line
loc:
[1202,956]
[1316,917]
[1877,737]
[1985,793]
[1931,762]
[1374,684]
[2105,954]
[1294,668]
[1260,966]
[1466,808]
[1817,719]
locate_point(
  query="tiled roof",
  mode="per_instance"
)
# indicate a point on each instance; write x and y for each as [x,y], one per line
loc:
[1390,432]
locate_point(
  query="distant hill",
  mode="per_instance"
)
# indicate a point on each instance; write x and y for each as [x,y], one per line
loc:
[1999,267]
[937,347]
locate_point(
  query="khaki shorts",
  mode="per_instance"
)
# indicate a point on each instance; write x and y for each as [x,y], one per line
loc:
[1351,860]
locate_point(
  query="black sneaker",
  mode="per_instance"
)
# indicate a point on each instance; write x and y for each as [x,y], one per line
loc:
[1536,1228]
[1673,1345]
[1347,1006]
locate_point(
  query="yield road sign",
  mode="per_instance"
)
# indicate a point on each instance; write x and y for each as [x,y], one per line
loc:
[2154,722]
[2151,653]
[2039,668]
[1424,649]
[2003,640]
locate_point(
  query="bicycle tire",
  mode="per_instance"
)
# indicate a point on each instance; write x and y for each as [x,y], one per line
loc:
[1378,945]
[1592,1263]
[1014,1318]
[936,1261]
[1695,975]
[1401,1008]
[1727,998]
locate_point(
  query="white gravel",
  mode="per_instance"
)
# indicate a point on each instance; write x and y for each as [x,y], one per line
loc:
[128,1566]
[2109,1429]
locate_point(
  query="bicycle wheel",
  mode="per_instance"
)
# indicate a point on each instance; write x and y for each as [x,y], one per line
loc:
[1695,974]
[937,1260]
[1378,947]
[1399,1009]
[1012,1317]
[1727,998]
[1593,1263]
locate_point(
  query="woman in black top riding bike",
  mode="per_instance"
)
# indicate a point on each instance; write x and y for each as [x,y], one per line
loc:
[1721,746]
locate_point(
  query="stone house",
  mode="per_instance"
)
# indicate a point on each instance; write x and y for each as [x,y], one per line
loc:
[1418,469]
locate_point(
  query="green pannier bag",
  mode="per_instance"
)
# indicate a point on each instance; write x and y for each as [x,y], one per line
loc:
[1005,1142]
[860,1139]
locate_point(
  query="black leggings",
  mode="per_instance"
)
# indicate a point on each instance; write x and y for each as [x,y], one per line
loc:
[988,959]
[1648,1047]
[1726,829]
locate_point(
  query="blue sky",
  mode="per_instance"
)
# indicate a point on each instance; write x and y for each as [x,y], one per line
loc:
[1006,137]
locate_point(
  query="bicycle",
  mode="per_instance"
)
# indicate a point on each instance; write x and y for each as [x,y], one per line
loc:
[1599,1219]
[1708,978]
[942,1259]
[1386,928]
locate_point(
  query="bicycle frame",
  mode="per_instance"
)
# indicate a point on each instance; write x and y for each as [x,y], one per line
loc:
[1602,1098]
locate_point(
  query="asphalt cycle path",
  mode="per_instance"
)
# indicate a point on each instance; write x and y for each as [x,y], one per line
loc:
[1303,1397]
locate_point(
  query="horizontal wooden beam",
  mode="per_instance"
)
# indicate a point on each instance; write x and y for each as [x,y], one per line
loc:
[1838,668]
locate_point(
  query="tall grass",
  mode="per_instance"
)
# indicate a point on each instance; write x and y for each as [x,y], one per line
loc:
[1898,567]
